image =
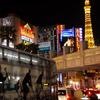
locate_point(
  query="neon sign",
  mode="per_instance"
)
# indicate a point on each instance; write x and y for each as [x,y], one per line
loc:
[27,33]
[67,33]
[79,37]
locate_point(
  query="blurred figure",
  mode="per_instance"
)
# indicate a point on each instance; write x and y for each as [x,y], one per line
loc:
[39,86]
[18,87]
[2,80]
[39,80]
[27,84]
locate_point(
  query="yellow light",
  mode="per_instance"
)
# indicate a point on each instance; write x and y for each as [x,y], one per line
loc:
[98,86]
[26,43]
[87,2]
[45,84]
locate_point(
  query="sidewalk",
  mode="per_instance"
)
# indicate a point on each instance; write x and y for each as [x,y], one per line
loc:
[11,95]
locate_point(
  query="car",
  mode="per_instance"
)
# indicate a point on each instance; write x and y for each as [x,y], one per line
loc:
[65,94]
[91,93]
[97,92]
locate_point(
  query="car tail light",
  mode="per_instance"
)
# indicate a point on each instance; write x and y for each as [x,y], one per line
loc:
[89,93]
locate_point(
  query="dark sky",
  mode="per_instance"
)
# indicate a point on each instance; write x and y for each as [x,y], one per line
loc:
[49,12]
[46,12]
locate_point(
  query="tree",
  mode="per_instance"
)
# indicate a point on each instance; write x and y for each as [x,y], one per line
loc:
[31,48]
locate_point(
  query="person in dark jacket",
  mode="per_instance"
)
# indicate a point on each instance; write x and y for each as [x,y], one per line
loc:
[2,80]
[18,87]
[27,84]
[39,86]
[39,80]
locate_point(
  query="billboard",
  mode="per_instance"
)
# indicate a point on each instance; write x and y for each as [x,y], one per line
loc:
[44,41]
[44,46]
[27,34]
[67,33]
[67,38]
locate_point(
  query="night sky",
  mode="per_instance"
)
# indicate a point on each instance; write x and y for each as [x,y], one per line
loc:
[50,12]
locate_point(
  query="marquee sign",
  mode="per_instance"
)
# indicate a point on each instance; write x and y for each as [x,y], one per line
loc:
[27,33]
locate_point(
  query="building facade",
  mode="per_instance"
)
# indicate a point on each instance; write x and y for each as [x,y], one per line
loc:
[14,31]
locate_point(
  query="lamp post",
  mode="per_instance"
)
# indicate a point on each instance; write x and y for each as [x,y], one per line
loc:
[64,56]
[65,64]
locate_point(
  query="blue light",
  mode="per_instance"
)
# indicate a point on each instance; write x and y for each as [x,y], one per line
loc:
[67,33]
[44,49]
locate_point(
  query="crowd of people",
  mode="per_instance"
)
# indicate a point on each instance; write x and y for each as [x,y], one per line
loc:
[23,88]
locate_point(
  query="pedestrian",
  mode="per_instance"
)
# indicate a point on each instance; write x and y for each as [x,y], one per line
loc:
[18,87]
[2,80]
[39,80]
[27,84]
[39,86]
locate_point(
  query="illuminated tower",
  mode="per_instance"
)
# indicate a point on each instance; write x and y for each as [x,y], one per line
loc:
[88,26]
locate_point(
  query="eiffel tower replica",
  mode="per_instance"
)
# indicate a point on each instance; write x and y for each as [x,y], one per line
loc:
[88,25]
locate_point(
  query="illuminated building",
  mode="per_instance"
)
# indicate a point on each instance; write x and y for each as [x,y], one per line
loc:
[23,31]
[6,28]
[71,38]
[88,26]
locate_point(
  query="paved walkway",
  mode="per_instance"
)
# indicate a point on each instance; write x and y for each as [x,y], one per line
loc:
[10,95]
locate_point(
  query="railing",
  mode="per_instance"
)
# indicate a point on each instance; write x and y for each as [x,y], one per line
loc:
[20,57]
[18,63]
[88,58]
